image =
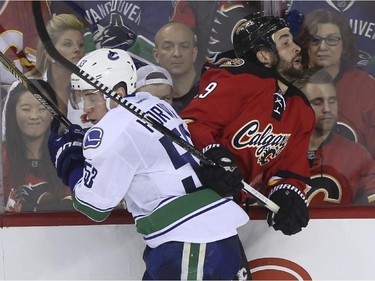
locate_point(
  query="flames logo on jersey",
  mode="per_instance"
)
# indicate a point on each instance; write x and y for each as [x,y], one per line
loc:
[267,143]
[233,63]
[268,154]
[326,185]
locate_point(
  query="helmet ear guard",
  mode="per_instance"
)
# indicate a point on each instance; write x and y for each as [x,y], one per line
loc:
[256,34]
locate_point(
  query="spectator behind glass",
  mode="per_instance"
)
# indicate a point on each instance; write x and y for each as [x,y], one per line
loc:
[341,170]
[155,80]
[328,43]
[30,181]
[66,33]
[360,15]
[127,25]
[176,50]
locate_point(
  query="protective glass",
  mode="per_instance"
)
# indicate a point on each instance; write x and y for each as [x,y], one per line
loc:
[329,40]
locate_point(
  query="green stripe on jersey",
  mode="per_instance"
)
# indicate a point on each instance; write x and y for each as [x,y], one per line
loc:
[93,214]
[176,210]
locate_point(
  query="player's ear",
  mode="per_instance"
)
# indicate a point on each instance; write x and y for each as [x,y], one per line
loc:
[121,91]
[265,57]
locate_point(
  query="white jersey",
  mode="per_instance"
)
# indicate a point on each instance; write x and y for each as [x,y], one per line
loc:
[127,158]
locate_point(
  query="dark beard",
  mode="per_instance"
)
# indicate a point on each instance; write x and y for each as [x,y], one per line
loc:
[287,71]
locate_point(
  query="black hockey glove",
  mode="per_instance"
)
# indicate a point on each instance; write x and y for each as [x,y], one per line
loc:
[66,150]
[224,177]
[293,213]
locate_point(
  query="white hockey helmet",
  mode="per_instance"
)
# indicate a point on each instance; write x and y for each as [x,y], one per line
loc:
[109,66]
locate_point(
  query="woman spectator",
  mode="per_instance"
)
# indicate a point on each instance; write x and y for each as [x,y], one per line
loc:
[66,33]
[30,181]
[328,43]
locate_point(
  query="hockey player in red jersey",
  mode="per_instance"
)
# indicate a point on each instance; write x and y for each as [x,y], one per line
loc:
[249,106]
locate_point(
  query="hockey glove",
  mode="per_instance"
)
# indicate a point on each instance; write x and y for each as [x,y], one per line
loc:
[66,150]
[223,177]
[293,213]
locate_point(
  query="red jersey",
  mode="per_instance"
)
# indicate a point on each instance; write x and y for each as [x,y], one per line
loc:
[18,35]
[35,190]
[356,103]
[339,170]
[240,106]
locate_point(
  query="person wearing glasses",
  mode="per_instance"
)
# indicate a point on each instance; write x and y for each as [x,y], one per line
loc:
[361,16]
[328,43]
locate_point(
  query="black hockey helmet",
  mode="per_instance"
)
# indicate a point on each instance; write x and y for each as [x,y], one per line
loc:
[255,34]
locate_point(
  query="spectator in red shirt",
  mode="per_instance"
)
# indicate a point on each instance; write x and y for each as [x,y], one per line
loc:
[328,43]
[340,169]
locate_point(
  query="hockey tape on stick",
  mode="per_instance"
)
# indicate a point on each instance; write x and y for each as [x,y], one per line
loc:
[36,90]
[50,48]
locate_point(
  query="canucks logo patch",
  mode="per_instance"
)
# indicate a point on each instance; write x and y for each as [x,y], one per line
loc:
[233,63]
[93,139]
[113,55]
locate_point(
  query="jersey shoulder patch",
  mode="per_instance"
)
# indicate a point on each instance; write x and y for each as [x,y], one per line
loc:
[93,138]
[240,66]
[233,63]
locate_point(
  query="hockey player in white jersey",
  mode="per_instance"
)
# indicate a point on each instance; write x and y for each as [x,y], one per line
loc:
[190,230]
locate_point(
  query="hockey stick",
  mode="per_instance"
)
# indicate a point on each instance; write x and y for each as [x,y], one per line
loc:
[50,48]
[36,90]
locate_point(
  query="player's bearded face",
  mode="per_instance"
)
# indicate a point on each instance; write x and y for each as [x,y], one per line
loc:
[289,59]
[288,70]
